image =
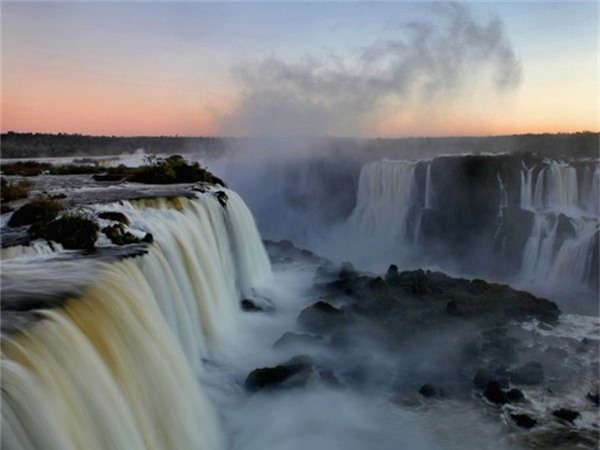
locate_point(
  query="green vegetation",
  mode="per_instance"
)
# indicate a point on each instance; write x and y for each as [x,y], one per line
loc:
[119,236]
[38,210]
[74,230]
[32,145]
[14,190]
[173,169]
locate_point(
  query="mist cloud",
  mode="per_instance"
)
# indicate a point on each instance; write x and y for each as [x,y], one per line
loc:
[421,63]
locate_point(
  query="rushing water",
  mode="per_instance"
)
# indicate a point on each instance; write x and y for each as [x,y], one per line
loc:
[115,368]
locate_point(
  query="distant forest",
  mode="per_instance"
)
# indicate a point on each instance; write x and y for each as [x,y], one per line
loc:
[30,145]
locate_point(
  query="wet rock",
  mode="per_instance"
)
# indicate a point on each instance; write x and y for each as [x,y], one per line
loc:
[253,306]
[515,395]
[73,231]
[295,339]
[322,317]
[392,273]
[594,398]
[114,216]
[494,393]
[38,210]
[118,236]
[482,378]
[222,198]
[531,373]
[293,373]
[523,420]
[148,238]
[428,390]
[347,271]
[566,414]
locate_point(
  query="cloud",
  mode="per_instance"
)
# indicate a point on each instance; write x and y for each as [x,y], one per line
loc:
[419,64]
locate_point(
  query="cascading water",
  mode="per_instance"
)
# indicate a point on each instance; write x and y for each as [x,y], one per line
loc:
[395,197]
[115,367]
[386,194]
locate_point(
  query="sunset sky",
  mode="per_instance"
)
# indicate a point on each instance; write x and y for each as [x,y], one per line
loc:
[205,68]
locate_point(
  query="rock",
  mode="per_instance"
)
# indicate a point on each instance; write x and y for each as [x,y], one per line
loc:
[250,306]
[594,398]
[118,236]
[293,373]
[294,339]
[515,395]
[523,420]
[38,210]
[322,317]
[427,390]
[114,216]
[222,198]
[148,238]
[74,232]
[531,373]
[566,414]
[347,271]
[494,393]
[392,273]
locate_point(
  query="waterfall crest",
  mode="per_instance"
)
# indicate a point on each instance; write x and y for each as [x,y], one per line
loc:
[115,368]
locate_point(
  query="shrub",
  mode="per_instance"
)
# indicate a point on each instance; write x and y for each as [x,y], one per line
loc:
[14,190]
[25,168]
[38,210]
[74,231]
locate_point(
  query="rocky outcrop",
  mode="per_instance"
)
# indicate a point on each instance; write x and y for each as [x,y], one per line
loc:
[293,373]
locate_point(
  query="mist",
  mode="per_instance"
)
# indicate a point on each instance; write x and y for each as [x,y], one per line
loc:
[414,66]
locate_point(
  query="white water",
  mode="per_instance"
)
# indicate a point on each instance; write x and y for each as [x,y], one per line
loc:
[116,368]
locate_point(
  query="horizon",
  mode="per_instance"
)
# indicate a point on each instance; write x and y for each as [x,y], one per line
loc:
[355,70]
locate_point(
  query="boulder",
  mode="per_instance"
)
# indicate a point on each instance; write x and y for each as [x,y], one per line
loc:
[114,216]
[322,317]
[523,420]
[566,414]
[293,373]
[73,231]
[515,395]
[494,393]
[428,390]
[38,210]
[594,398]
[118,236]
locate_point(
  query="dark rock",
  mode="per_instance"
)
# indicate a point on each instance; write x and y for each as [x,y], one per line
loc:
[531,373]
[115,216]
[427,390]
[347,271]
[5,209]
[222,198]
[294,339]
[293,373]
[392,272]
[322,317]
[38,210]
[566,414]
[515,395]
[148,238]
[110,177]
[73,232]
[118,236]
[250,306]
[494,393]
[523,420]
[594,398]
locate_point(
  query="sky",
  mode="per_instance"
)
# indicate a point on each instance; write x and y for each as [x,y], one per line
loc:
[349,69]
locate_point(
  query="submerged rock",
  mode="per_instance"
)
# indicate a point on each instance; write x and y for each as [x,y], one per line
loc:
[523,420]
[428,390]
[566,414]
[293,373]
[494,393]
[594,398]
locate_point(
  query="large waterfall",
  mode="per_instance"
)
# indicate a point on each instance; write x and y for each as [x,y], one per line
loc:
[469,207]
[116,367]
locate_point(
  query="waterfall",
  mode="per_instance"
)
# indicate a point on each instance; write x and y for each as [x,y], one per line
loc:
[116,367]
[526,187]
[386,192]
[537,255]
[429,195]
